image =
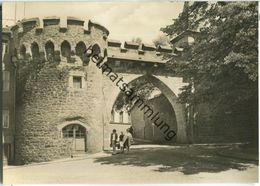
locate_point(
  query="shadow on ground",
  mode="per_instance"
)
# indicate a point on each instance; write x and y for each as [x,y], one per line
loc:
[188,160]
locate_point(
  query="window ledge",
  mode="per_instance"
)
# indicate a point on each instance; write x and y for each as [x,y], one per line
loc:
[119,123]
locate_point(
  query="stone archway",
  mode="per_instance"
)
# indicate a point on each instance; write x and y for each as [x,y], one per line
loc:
[177,107]
[170,93]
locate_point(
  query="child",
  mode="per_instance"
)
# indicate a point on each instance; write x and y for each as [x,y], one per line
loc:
[121,142]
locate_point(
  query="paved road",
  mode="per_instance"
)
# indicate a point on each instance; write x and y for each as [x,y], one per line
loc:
[144,164]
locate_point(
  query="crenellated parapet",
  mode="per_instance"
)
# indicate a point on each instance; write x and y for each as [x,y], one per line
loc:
[141,52]
[64,41]
[57,39]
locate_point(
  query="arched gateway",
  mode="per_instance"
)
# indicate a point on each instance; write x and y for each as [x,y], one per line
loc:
[69,87]
[178,110]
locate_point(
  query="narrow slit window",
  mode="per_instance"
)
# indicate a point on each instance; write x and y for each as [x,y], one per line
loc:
[6,81]
[121,117]
[5,118]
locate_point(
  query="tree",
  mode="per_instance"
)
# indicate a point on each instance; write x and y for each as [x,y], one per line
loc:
[137,40]
[222,64]
[141,88]
[162,40]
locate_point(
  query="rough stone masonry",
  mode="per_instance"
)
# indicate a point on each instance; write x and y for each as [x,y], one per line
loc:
[48,101]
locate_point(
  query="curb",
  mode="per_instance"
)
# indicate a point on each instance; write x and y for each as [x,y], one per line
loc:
[241,156]
[87,156]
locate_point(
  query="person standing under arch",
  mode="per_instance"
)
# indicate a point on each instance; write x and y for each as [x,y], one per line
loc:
[113,140]
[121,142]
[131,130]
[128,140]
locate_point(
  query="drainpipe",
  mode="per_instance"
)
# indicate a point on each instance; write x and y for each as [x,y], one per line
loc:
[14,111]
[14,62]
[103,132]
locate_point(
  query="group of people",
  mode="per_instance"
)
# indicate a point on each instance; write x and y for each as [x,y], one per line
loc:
[121,142]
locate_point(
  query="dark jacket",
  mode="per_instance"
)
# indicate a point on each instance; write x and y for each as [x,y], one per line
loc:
[131,130]
[112,137]
[121,137]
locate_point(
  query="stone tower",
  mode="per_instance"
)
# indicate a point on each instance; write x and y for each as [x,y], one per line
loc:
[59,90]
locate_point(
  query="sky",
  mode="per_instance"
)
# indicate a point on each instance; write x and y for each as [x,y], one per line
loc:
[124,20]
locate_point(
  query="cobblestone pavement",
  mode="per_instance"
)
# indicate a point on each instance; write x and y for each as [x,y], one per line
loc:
[143,164]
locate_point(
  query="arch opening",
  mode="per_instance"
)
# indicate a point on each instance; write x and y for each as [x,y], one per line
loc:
[96,50]
[80,49]
[23,52]
[151,113]
[96,53]
[35,50]
[66,50]
[49,49]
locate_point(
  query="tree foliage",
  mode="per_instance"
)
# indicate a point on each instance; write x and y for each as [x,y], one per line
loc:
[222,64]
[137,40]
[141,88]
[162,40]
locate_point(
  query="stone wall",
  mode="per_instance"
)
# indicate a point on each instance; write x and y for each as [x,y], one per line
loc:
[138,123]
[154,133]
[47,98]
[48,102]
[143,126]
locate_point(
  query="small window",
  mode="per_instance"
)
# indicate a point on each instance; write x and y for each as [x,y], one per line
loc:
[6,81]
[121,117]
[125,117]
[77,82]
[5,118]
[129,117]
[80,134]
[112,115]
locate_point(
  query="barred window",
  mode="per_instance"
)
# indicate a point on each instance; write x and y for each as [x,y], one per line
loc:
[77,82]
[74,131]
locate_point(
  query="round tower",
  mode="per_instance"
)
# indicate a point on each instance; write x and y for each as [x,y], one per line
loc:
[59,89]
